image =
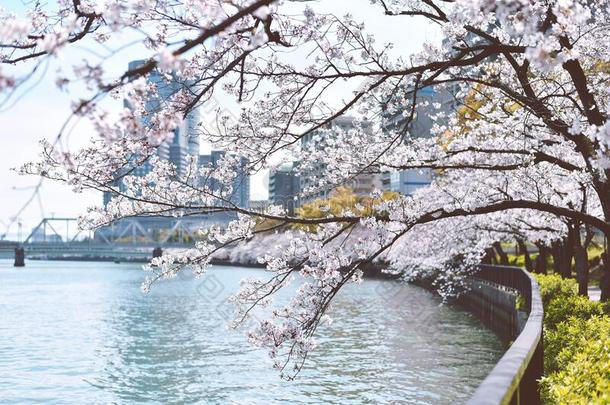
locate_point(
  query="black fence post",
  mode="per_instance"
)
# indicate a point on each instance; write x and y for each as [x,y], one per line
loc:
[157,252]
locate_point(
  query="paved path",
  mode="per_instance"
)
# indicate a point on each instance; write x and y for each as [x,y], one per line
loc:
[594,293]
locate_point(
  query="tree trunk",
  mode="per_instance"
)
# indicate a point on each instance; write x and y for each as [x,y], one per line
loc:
[526,254]
[581,264]
[542,260]
[604,197]
[604,283]
[561,258]
[501,253]
[489,257]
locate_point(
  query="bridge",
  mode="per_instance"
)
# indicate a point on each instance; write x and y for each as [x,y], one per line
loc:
[130,239]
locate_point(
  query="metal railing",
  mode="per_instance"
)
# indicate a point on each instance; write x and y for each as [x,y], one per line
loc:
[514,379]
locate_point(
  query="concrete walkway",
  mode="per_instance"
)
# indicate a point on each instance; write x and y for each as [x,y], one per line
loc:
[594,293]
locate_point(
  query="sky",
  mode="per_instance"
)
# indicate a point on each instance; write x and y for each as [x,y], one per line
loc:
[43,109]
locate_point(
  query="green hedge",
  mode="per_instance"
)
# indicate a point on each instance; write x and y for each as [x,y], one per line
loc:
[553,286]
[560,310]
[582,365]
[576,345]
[562,343]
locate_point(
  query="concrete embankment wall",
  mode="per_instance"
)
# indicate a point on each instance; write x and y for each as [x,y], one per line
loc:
[496,306]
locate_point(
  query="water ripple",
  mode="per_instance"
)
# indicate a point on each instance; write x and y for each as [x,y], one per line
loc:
[83,333]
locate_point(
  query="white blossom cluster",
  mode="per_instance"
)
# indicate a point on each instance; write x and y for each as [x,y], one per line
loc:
[525,148]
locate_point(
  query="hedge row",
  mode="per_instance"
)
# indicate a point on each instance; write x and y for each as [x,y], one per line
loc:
[576,345]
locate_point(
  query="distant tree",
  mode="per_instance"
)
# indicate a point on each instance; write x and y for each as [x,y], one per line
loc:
[340,201]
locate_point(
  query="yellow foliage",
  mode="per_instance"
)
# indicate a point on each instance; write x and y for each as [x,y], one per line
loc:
[265,224]
[469,112]
[602,67]
[342,199]
[472,104]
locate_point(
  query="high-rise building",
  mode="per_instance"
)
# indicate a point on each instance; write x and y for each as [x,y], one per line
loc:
[407,181]
[284,187]
[240,189]
[185,141]
[361,184]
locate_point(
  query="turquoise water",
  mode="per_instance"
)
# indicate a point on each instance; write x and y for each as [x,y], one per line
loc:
[83,333]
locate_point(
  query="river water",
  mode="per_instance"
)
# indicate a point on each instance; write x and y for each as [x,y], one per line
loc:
[83,333]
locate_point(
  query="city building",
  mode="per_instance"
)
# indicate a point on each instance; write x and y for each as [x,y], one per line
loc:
[284,187]
[407,181]
[185,141]
[240,190]
[362,184]
[259,205]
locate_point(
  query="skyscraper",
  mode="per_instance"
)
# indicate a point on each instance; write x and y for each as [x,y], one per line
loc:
[407,181]
[185,141]
[240,189]
[284,187]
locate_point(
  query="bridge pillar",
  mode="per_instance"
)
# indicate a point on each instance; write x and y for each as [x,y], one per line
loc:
[157,252]
[19,257]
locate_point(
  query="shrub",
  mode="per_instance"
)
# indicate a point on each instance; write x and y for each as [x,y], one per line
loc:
[576,345]
[562,343]
[553,286]
[582,363]
[564,307]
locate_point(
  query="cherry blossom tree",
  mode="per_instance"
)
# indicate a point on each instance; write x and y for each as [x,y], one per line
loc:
[531,151]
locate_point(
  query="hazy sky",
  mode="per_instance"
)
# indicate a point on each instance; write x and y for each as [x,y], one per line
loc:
[41,112]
